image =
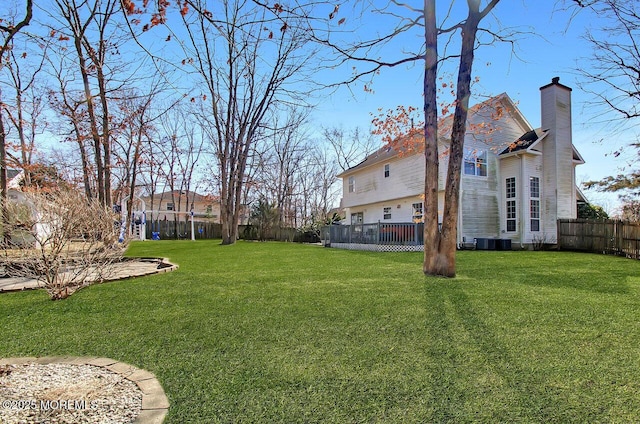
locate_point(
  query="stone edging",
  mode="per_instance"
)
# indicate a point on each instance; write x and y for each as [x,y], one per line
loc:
[164,265]
[155,404]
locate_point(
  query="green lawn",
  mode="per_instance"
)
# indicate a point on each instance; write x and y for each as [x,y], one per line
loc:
[275,332]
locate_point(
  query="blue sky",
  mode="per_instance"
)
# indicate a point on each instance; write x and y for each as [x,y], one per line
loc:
[554,46]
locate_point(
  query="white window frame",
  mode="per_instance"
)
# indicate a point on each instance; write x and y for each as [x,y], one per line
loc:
[418,212]
[357,218]
[475,163]
[534,210]
[387,170]
[534,187]
[386,213]
[534,204]
[512,215]
[511,205]
[352,184]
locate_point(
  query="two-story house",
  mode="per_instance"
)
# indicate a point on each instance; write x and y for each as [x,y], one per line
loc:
[169,204]
[516,181]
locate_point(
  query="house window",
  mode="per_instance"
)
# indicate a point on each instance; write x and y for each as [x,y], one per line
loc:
[475,162]
[511,188]
[534,206]
[534,184]
[511,204]
[352,184]
[387,170]
[209,208]
[386,213]
[170,207]
[511,215]
[417,212]
[535,215]
[357,218]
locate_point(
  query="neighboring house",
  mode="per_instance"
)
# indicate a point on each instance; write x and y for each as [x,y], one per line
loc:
[516,182]
[168,204]
[14,190]
[23,234]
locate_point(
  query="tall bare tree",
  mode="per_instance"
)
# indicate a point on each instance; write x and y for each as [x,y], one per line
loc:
[613,79]
[248,60]
[91,34]
[349,146]
[10,26]
[27,101]
[286,145]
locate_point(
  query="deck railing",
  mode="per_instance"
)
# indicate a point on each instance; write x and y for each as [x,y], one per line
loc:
[404,234]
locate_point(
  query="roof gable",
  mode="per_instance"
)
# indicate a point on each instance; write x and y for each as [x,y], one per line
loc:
[492,108]
[526,142]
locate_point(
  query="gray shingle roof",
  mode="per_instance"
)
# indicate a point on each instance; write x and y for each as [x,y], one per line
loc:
[525,141]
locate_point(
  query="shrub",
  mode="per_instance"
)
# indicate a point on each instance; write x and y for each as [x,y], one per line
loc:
[74,241]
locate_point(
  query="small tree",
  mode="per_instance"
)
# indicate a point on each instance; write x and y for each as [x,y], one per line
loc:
[589,211]
[74,241]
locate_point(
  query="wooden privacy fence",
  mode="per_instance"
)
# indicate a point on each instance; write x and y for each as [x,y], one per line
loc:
[170,230]
[610,236]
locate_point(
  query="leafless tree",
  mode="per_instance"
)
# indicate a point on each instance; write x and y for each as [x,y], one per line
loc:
[614,75]
[248,60]
[286,145]
[318,187]
[174,159]
[350,146]
[613,79]
[10,26]
[90,36]
[24,100]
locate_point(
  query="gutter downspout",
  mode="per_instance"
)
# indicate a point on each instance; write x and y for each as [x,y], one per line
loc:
[523,221]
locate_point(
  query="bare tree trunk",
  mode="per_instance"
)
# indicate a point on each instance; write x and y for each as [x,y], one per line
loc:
[106,137]
[448,242]
[431,231]
[443,261]
[3,182]
[10,31]
[95,136]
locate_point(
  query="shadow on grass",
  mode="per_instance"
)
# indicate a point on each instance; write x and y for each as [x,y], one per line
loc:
[479,376]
